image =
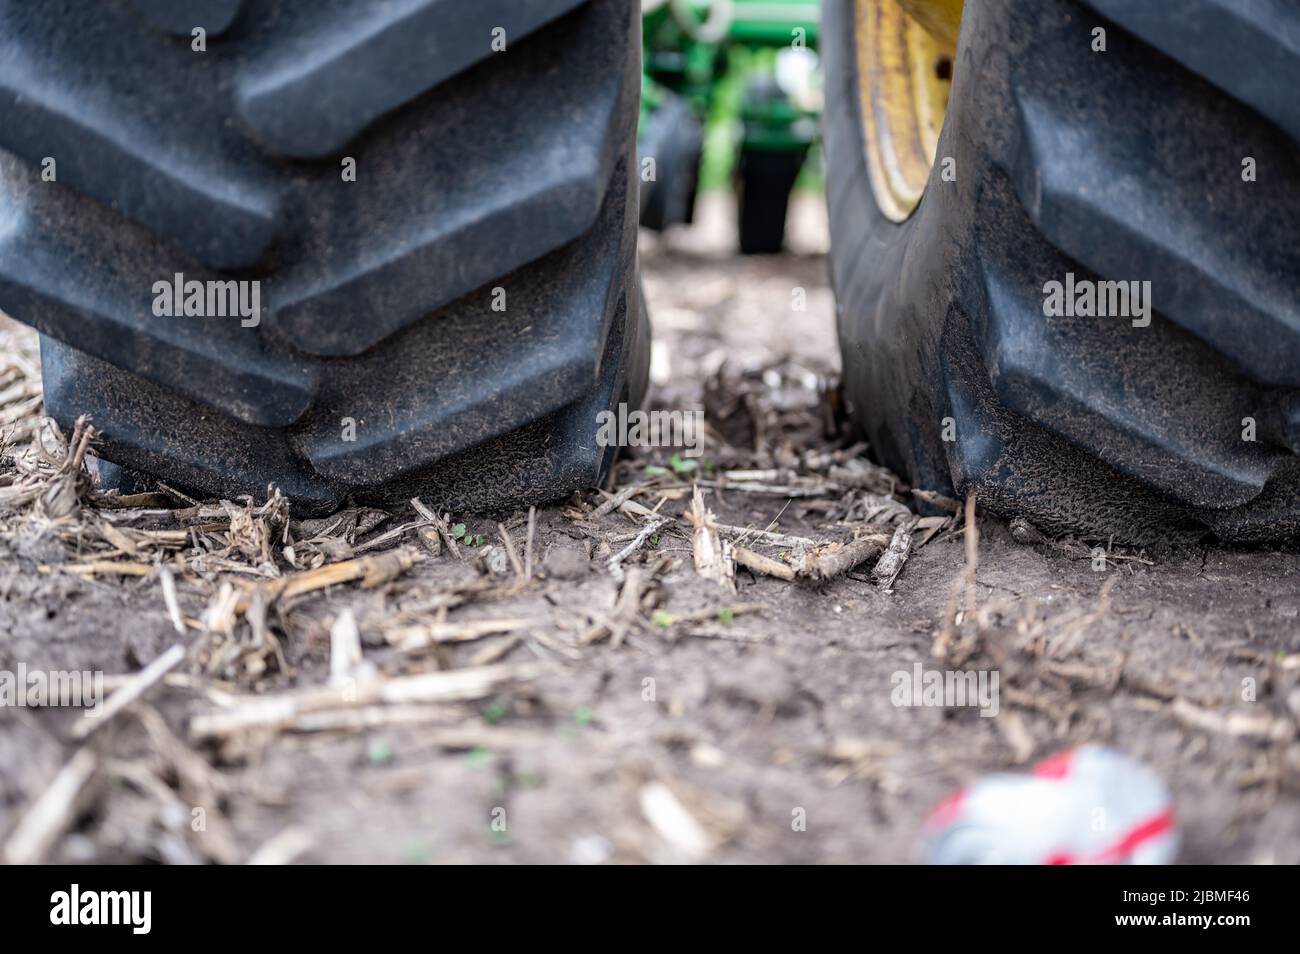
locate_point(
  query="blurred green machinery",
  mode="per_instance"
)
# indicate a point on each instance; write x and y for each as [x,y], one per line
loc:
[730,90]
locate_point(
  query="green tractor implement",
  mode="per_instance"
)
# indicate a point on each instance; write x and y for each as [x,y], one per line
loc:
[730,92]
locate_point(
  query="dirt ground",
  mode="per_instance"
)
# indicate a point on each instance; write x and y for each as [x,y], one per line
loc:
[533,704]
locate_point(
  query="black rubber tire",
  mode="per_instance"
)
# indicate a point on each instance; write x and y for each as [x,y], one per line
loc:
[764,180]
[674,138]
[1117,165]
[481,172]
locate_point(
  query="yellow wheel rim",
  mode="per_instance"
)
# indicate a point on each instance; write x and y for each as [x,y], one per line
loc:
[905,50]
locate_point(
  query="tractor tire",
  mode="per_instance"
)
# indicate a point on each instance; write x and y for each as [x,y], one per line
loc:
[1122,164]
[435,202]
[674,138]
[765,180]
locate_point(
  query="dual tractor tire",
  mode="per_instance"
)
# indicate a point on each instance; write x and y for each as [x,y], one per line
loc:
[434,201]
[1089,142]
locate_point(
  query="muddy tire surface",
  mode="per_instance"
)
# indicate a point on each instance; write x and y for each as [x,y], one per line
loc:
[427,212]
[1163,165]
